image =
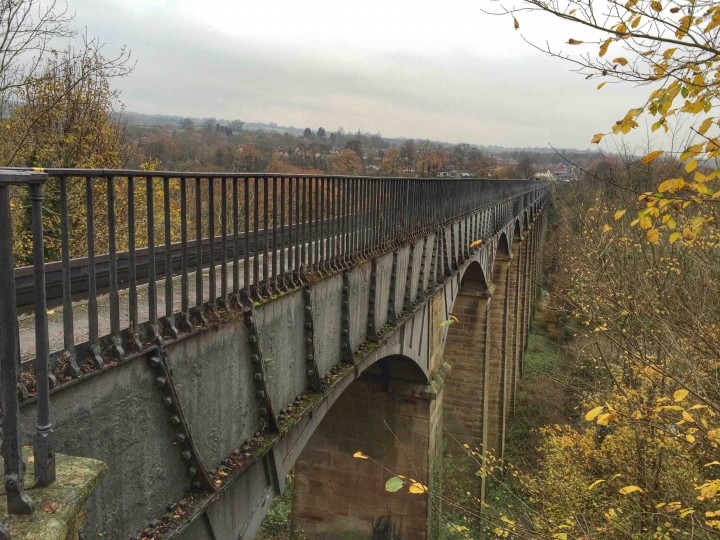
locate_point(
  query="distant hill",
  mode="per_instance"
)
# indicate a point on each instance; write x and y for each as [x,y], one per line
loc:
[143,119]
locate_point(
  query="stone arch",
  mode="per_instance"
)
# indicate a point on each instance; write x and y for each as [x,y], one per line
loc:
[465,394]
[503,246]
[518,230]
[388,414]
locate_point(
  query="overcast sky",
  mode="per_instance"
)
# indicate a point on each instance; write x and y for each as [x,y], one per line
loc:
[426,69]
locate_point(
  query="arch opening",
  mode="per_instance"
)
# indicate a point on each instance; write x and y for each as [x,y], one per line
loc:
[386,414]
[465,350]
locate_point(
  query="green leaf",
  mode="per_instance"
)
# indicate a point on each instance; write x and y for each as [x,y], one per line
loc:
[393,484]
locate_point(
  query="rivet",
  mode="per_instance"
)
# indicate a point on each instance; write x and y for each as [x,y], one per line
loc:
[154,361]
[263,412]
[192,471]
[180,437]
[167,401]
[258,376]
[160,382]
[186,455]
[310,373]
[254,358]
[260,394]
[174,419]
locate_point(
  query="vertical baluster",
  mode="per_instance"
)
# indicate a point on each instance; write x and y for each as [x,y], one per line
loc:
[323,224]
[115,337]
[212,277]
[314,218]
[266,237]
[43,451]
[199,299]
[283,229]
[298,237]
[95,353]
[310,237]
[256,242]
[332,221]
[303,218]
[169,322]
[353,217]
[153,326]
[224,233]
[68,323]
[184,319]
[292,231]
[275,280]
[236,241]
[132,267]
[246,255]
[17,500]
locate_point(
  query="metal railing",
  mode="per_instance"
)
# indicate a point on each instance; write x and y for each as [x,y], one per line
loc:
[154,253]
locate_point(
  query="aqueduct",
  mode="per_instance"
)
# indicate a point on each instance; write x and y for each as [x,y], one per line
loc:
[320,327]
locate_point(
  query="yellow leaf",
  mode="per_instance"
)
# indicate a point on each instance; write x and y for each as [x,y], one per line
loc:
[688,417]
[679,395]
[691,165]
[572,41]
[360,455]
[645,222]
[622,61]
[653,236]
[604,46]
[417,487]
[603,419]
[595,484]
[657,6]
[705,126]
[630,489]
[652,156]
[476,243]
[689,438]
[591,415]
[674,237]
[516,24]
[688,234]
[619,214]
[607,228]
[597,137]
[601,85]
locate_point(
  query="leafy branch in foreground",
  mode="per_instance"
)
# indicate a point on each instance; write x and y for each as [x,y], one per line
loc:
[673,47]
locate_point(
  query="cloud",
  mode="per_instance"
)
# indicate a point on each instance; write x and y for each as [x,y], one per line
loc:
[461,79]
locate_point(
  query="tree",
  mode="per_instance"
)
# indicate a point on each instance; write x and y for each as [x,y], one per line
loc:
[27,28]
[308,133]
[390,165]
[321,132]
[345,162]
[62,117]
[673,47]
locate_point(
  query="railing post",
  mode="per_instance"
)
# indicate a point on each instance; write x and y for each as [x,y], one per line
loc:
[18,501]
[43,445]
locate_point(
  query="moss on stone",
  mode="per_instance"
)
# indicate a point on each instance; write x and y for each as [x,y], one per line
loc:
[76,479]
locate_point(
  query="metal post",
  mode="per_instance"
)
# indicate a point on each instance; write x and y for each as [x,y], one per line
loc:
[43,447]
[18,501]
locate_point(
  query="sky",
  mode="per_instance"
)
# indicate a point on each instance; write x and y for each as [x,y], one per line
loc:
[441,70]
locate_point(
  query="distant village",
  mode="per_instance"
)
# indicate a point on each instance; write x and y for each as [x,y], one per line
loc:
[212,145]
